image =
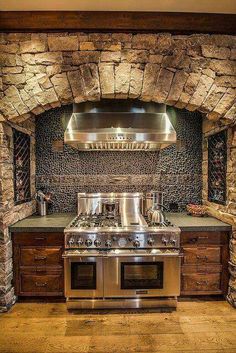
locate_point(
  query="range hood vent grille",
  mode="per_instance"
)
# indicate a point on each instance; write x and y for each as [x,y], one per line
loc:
[119,125]
[118,146]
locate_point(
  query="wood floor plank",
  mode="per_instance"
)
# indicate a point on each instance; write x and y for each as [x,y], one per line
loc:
[196,327]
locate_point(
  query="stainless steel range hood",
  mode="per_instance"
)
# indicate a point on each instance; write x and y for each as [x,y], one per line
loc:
[119,125]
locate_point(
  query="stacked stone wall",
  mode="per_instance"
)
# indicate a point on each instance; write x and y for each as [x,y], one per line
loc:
[41,71]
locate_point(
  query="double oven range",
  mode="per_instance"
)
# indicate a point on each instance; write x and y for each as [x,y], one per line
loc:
[116,258]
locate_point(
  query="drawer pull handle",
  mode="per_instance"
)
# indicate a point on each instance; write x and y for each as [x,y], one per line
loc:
[40,284]
[202,237]
[38,258]
[202,283]
[193,240]
[40,238]
[202,258]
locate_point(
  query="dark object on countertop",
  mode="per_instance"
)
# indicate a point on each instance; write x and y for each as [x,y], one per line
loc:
[42,202]
[196,210]
[174,207]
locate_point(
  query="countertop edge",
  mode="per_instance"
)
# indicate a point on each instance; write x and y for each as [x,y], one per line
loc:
[65,219]
[36,229]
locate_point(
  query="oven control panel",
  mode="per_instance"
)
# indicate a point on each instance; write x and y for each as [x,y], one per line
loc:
[115,241]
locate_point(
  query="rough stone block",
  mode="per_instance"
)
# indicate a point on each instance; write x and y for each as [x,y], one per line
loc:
[151,73]
[134,56]
[213,97]
[122,80]
[89,74]
[77,85]
[223,67]
[177,86]
[64,43]
[49,58]
[136,82]
[112,57]
[223,105]
[144,41]
[85,57]
[87,46]
[107,80]
[163,85]
[7,300]
[33,46]
[7,59]
[212,51]
[62,87]
[9,48]
[199,95]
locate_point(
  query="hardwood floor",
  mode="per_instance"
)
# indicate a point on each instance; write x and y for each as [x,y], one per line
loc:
[196,327]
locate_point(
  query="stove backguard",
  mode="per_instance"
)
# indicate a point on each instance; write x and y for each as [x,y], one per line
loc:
[129,206]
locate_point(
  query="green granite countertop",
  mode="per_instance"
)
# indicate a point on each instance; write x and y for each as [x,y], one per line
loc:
[51,223]
[58,221]
[201,224]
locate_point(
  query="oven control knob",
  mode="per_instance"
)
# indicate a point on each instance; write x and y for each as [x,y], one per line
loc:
[71,241]
[165,240]
[80,242]
[136,243]
[108,243]
[150,241]
[88,242]
[173,241]
[97,243]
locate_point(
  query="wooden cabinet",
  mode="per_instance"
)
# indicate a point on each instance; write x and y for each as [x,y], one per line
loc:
[205,263]
[38,264]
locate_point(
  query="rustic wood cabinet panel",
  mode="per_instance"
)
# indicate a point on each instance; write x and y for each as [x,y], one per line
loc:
[202,255]
[41,284]
[202,238]
[41,256]
[202,283]
[205,263]
[38,264]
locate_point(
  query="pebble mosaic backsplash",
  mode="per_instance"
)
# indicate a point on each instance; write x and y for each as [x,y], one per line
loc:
[176,170]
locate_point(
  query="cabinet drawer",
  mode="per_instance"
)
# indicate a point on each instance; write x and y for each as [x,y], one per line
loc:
[201,283]
[201,238]
[201,268]
[201,255]
[50,284]
[38,239]
[41,256]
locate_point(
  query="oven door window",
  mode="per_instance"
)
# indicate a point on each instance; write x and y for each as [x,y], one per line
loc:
[83,275]
[144,275]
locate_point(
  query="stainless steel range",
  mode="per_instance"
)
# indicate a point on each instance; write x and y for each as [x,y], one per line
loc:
[117,256]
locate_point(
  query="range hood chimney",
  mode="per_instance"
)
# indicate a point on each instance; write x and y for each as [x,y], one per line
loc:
[119,125]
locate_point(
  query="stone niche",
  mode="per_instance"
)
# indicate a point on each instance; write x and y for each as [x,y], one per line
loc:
[41,71]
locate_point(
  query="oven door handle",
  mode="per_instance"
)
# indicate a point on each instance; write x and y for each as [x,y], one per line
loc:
[70,255]
[177,255]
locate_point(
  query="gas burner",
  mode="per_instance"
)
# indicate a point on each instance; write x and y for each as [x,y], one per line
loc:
[95,220]
[109,222]
[166,223]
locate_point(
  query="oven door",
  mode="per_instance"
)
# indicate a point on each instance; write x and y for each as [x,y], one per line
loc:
[142,276]
[83,276]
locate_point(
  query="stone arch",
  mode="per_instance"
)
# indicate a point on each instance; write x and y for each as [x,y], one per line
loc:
[43,71]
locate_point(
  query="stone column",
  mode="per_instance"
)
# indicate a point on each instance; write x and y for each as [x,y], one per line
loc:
[9,213]
[7,297]
[226,213]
